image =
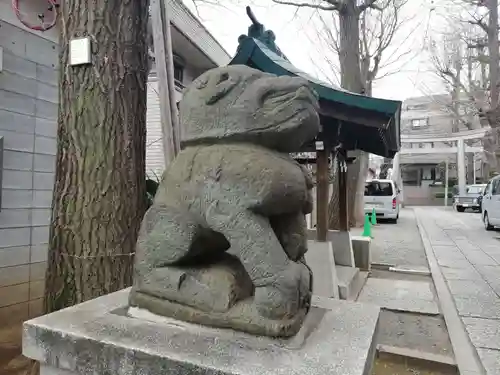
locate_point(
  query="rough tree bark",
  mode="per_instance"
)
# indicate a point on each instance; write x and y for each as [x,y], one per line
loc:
[99,190]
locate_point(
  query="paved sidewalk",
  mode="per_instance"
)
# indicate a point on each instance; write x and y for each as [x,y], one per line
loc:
[468,258]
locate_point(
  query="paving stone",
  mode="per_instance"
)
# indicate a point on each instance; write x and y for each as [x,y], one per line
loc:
[444,243]
[495,256]
[401,295]
[321,260]
[487,308]
[454,263]
[480,258]
[492,249]
[491,360]
[460,273]
[465,245]
[491,275]
[471,289]
[451,253]
[484,333]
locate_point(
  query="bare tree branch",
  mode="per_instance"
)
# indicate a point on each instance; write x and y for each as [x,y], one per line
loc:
[460,63]
[333,4]
[377,52]
[368,4]
[479,22]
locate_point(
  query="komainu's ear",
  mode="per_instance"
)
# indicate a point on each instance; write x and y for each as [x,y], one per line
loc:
[217,87]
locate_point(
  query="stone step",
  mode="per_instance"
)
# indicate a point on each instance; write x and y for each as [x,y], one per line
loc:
[350,280]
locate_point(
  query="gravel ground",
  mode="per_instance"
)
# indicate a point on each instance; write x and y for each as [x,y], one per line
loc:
[398,244]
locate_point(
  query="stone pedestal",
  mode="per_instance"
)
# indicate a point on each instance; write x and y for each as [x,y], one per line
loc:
[341,245]
[361,251]
[336,273]
[320,259]
[98,337]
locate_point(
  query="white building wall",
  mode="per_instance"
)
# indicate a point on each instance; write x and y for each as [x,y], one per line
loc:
[28,124]
[155,162]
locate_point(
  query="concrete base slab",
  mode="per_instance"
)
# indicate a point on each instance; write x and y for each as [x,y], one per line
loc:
[361,252]
[320,259]
[358,285]
[341,245]
[346,277]
[351,281]
[400,295]
[98,337]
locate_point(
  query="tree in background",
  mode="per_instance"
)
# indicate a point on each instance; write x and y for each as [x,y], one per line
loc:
[99,194]
[358,35]
[467,61]
[457,67]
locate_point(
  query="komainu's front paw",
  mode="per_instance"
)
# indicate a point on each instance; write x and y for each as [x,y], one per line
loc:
[287,294]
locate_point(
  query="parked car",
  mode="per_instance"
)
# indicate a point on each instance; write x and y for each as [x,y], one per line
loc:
[470,199]
[491,204]
[480,201]
[383,196]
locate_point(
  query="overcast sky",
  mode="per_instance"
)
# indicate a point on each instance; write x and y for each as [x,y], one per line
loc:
[297,37]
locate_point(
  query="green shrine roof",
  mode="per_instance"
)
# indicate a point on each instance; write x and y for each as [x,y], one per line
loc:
[357,121]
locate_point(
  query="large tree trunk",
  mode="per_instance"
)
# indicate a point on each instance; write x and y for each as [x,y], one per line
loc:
[357,177]
[99,193]
[350,73]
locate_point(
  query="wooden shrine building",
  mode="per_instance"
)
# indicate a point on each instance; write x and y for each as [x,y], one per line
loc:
[348,121]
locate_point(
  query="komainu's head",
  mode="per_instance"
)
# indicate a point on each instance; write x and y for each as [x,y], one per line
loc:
[240,104]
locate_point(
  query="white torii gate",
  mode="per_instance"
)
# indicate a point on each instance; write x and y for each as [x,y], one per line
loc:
[460,150]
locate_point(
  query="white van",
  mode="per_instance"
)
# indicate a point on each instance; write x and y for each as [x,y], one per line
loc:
[490,207]
[383,196]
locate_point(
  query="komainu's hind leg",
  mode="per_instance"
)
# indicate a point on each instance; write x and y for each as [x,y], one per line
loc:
[279,282]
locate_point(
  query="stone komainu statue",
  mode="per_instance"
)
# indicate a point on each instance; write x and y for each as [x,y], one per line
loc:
[224,242]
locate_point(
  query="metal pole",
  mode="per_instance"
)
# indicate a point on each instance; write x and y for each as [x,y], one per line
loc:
[446,184]
[461,166]
[474,166]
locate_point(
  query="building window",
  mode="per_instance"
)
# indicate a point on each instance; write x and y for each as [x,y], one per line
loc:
[179,66]
[415,107]
[418,123]
[496,187]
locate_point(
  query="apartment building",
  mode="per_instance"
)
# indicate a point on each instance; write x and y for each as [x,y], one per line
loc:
[429,128]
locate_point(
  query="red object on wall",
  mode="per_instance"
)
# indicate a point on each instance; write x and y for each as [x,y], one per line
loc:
[52,7]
